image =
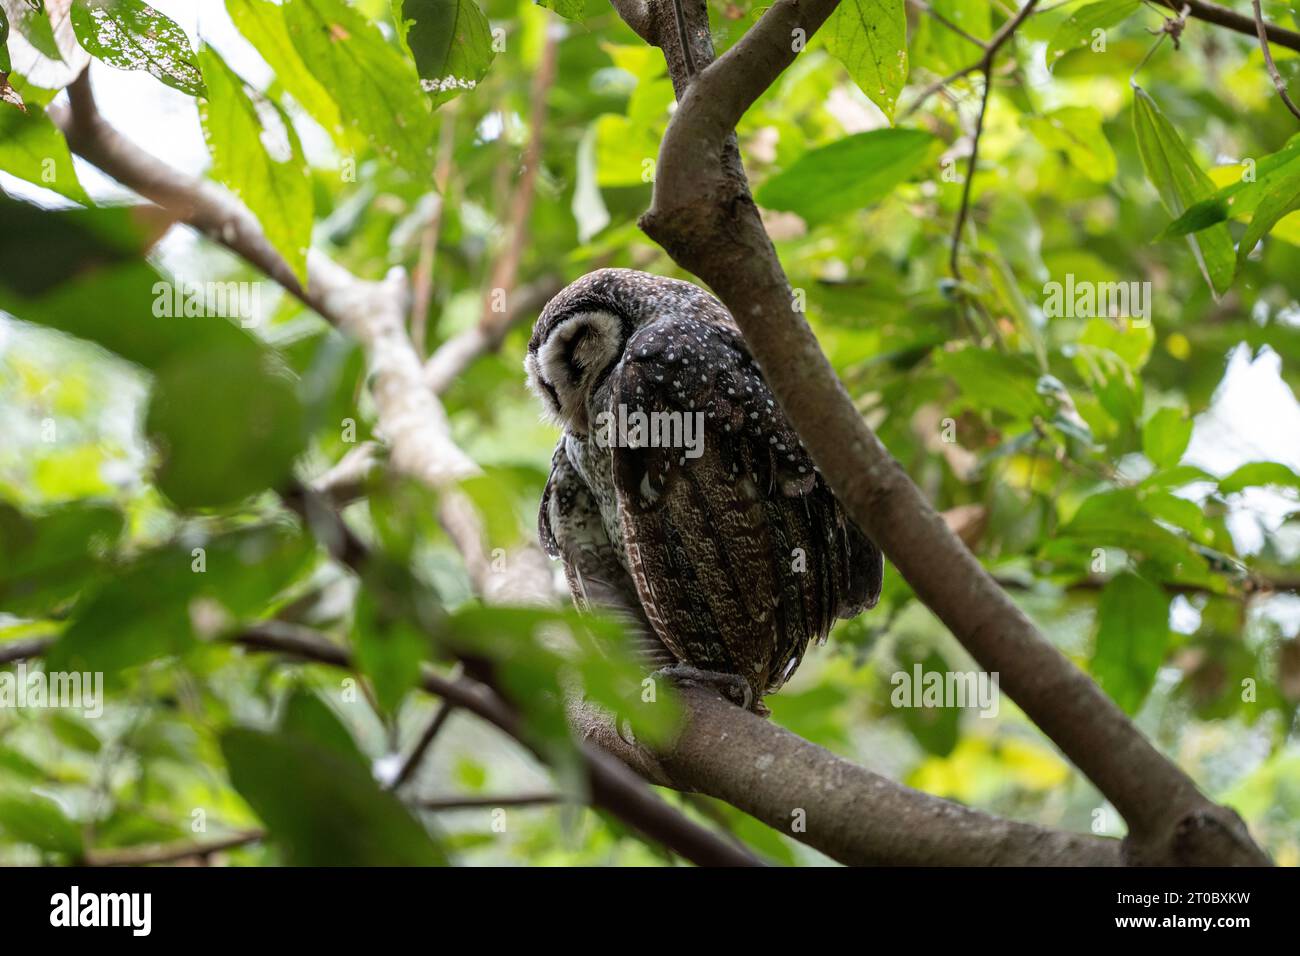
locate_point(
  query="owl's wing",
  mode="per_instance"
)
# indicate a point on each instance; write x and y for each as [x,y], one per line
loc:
[738,549]
[569,527]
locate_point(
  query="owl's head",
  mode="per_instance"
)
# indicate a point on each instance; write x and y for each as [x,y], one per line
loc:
[580,336]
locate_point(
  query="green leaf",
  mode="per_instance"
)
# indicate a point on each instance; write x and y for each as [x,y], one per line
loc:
[309,717]
[156,606]
[1077,132]
[33,23]
[33,148]
[5,65]
[1076,33]
[870,38]
[390,644]
[38,820]
[49,558]
[993,380]
[954,50]
[1240,198]
[1165,436]
[1132,341]
[936,729]
[131,35]
[569,9]
[1259,474]
[320,805]
[1181,183]
[226,425]
[1132,635]
[257,155]
[262,24]
[847,175]
[375,86]
[451,41]
[1282,198]
[1116,519]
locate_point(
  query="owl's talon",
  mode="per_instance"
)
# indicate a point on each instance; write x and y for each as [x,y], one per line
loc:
[731,687]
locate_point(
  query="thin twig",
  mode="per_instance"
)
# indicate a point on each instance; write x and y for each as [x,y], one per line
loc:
[422,278]
[172,852]
[1278,82]
[943,21]
[441,805]
[985,66]
[417,754]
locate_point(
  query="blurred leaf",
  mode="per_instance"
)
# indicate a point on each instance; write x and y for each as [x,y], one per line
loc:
[849,174]
[256,154]
[1076,33]
[156,606]
[1116,519]
[1077,132]
[262,24]
[992,380]
[38,820]
[131,35]
[1132,633]
[308,717]
[389,641]
[1165,436]
[31,21]
[49,558]
[375,87]
[320,806]
[569,9]
[33,148]
[225,424]
[1258,474]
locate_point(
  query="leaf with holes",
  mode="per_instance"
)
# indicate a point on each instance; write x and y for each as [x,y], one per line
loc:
[451,41]
[132,35]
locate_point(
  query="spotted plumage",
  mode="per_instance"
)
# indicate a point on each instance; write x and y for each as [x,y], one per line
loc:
[712,528]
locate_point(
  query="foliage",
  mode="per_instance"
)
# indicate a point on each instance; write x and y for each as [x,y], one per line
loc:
[1141,510]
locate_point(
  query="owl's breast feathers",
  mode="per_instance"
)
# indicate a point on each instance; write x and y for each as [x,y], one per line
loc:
[735,546]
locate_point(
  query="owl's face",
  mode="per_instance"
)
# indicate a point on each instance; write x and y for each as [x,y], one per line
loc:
[581,334]
[577,353]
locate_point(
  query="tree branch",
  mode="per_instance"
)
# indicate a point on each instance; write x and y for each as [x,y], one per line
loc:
[201,204]
[1231,20]
[849,813]
[171,853]
[703,215]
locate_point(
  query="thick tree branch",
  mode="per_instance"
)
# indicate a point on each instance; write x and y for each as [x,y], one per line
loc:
[703,215]
[849,813]
[1231,20]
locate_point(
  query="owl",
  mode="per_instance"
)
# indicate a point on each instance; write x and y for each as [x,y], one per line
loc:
[679,493]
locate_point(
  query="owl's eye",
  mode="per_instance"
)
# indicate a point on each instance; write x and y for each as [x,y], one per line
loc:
[551,393]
